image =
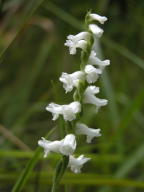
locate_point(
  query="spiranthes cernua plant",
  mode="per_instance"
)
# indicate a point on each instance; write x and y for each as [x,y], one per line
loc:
[82,83]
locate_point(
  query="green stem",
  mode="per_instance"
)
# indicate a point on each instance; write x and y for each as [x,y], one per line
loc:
[59,172]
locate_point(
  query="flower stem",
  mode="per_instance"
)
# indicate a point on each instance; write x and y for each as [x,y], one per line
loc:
[59,172]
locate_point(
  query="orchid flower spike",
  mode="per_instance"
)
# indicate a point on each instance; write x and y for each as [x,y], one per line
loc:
[68,111]
[65,146]
[96,17]
[93,60]
[89,132]
[77,41]
[96,30]
[68,145]
[71,80]
[76,163]
[89,97]
[92,73]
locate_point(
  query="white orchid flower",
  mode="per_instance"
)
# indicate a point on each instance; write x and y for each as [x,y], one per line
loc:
[89,97]
[68,111]
[71,80]
[68,145]
[96,30]
[49,146]
[92,73]
[83,129]
[94,60]
[77,163]
[77,41]
[96,17]
[65,146]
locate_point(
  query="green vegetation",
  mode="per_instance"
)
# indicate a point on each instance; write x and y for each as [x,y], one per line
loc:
[32,57]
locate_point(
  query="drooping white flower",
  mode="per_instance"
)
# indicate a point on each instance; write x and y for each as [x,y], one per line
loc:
[71,80]
[65,146]
[49,146]
[77,41]
[89,132]
[94,60]
[89,97]
[96,30]
[68,111]
[92,73]
[68,145]
[77,163]
[101,19]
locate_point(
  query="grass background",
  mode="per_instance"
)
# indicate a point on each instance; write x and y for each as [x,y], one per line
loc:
[33,56]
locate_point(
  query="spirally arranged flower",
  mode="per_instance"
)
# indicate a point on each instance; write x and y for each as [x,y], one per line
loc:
[68,111]
[91,67]
[83,129]
[65,146]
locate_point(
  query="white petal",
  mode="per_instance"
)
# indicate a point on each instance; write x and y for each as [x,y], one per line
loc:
[89,97]
[50,146]
[77,41]
[77,163]
[92,73]
[71,80]
[79,36]
[55,109]
[68,145]
[93,60]
[89,132]
[96,30]
[68,111]
[97,17]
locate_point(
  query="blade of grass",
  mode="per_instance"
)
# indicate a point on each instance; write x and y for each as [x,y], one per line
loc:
[124,51]
[23,178]
[110,158]
[79,179]
[30,9]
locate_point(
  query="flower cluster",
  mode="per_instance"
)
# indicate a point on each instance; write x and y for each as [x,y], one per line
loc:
[85,77]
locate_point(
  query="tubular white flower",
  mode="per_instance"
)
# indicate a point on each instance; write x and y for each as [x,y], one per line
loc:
[101,19]
[89,132]
[79,36]
[77,163]
[68,145]
[71,80]
[92,73]
[77,41]
[49,146]
[93,60]
[65,146]
[89,97]
[68,111]
[96,30]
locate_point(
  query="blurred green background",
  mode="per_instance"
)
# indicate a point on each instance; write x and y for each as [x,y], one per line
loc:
[33,56]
